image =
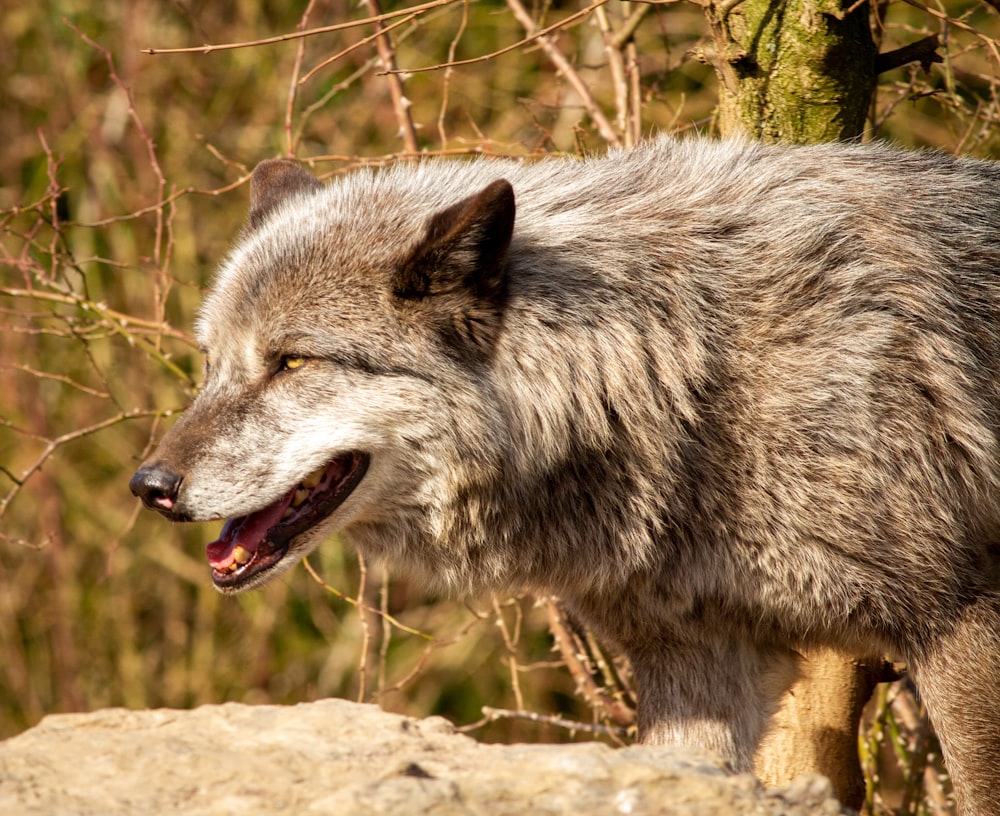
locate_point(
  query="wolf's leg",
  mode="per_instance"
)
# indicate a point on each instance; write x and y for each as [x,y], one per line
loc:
[714,691]
[958,678]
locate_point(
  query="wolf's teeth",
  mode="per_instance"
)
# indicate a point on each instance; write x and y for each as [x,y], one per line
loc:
[288,512]
[241,555]
[314,478]
[300,497]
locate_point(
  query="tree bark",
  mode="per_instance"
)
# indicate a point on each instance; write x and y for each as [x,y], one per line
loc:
[816,728]
[792,70]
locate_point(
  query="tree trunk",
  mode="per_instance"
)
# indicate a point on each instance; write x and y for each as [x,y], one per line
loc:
[816,728]
[800,71]
[793,70]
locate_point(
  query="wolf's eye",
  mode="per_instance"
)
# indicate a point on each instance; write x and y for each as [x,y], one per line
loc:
[290,363]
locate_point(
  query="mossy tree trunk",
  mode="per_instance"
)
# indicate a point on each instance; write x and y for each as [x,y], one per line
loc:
[802,71]
[793,70]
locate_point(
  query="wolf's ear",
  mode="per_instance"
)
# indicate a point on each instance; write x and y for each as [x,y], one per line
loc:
[458,273]
[272,182]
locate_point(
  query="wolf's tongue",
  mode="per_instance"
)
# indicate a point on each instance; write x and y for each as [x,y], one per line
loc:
[247,532]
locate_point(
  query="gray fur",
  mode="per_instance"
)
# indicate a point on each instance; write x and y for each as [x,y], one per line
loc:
[726,400]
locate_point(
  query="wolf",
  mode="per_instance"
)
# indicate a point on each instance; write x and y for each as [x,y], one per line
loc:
[728,401]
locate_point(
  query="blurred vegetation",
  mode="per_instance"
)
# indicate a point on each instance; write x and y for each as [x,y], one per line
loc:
[122,184]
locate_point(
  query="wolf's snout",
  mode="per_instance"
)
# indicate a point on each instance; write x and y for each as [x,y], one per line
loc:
[157,486]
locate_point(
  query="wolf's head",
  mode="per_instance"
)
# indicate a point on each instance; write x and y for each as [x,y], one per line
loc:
[339,338]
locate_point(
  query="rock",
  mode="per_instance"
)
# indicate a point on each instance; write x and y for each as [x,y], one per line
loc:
[339,757]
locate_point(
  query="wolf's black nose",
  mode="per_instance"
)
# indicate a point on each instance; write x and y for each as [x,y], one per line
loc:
[157,486]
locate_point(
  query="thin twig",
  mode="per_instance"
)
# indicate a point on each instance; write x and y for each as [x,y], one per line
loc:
[634,74]
[626,33]
[293,84]
[591,692]
[383,651]
[400,104]
[565,68]
[127,320]
[54,444]
[511,645]
[616,67]
[46,375]
[531,38]
[430,648]
[446,80]
[154,162]
[365,630]
[118,327]
[152,208]
[492,714]
[354,602]
[950,20]
[55,189]
[295,35]
[355,46]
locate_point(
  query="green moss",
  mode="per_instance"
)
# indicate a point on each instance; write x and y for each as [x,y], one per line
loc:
[802,71]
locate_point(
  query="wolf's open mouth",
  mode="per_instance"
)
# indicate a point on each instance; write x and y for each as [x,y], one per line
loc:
[250,545]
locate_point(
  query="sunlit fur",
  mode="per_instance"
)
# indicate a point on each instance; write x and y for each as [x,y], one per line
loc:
[726,400]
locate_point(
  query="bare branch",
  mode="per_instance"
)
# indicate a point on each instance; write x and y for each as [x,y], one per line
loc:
[446,80]
[360,605]
[46,375]
[537,35]
[491,714]
[585,682]
[293,83]
[625,34]
[923,51]
[355,46]
[101,309]
[133,115]
[565,68]
[510,641]
[616,67]
[295,35]
[950,20]
[400,104]
[54,444]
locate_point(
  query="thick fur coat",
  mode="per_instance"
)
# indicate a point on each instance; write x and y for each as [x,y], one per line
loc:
[726,400]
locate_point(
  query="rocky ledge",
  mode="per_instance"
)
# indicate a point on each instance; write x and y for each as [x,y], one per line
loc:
[339,757]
